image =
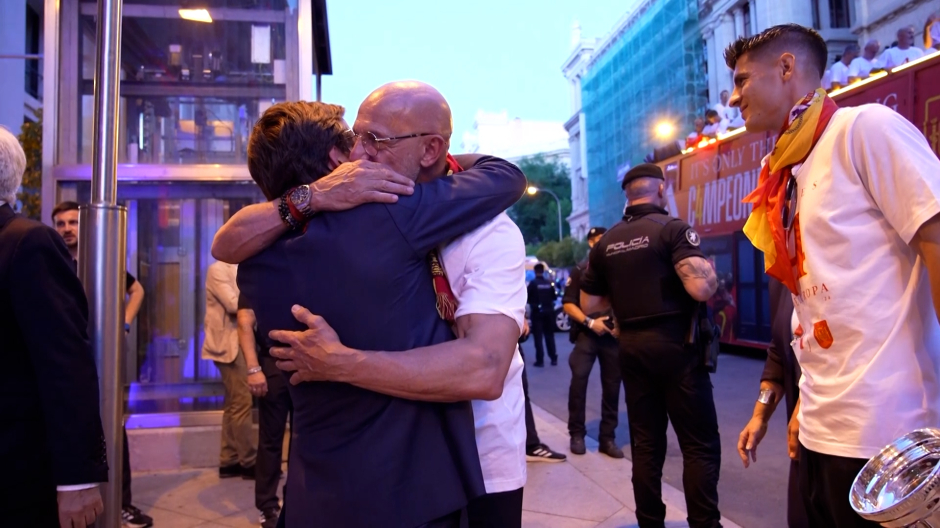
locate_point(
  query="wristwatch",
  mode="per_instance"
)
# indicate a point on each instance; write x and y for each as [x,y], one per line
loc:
[254,370]
[766,397]
[588,322]
[299,199]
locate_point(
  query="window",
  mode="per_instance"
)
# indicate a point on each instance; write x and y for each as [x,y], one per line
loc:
[839,14]
[33,29]
[747,20]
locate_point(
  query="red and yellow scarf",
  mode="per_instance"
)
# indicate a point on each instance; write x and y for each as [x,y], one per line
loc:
[446,300]
[764,227]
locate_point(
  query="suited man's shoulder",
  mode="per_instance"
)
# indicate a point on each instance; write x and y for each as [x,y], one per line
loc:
[24,233]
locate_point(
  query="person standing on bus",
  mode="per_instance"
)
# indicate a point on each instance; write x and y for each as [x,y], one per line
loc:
[650,271]
[847,214]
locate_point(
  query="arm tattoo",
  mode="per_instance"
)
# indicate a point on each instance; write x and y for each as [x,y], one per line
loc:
[694,268]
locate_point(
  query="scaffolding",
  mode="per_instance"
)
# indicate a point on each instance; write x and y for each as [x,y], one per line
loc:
[654,70]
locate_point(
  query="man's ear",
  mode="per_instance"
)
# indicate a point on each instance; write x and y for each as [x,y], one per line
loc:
[434,148]
[787,65]
[337,157]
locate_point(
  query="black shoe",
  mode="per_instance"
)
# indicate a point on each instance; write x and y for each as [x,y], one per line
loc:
[555,362]
[232,471]
[609,448]
[269,517]
[577,445]
[539,364]
[542,453]
[134,518]
[247,473]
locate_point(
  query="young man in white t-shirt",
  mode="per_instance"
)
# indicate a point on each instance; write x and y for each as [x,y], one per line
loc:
[862,66]
[839,72]
[864,238]
[904,52]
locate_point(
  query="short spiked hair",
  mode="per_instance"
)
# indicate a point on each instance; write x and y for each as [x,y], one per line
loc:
[805,41]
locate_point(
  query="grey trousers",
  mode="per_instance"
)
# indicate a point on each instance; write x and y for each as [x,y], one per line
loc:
[239,442]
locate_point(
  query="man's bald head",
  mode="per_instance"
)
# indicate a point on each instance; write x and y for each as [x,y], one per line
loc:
[406,108]
[412,104]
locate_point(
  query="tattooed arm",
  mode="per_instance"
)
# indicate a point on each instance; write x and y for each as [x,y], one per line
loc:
[698,277]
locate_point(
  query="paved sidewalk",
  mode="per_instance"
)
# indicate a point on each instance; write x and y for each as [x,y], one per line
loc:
[592,490]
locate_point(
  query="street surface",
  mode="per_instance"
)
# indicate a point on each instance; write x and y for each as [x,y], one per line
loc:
[750,497]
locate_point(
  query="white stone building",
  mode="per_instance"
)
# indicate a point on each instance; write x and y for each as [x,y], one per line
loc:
[840,22]
[582,50]
[513,139]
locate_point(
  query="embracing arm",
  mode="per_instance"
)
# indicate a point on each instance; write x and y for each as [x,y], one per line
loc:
[698,277]
[135,298]
[257,226]
[472,367]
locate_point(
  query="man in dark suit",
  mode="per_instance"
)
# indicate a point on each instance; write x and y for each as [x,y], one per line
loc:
[781,377]
[51,438]
[360,458]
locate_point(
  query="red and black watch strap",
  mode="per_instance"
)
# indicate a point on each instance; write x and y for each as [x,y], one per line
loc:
[284,209]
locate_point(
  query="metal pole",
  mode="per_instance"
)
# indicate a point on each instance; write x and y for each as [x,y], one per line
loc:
[102,250]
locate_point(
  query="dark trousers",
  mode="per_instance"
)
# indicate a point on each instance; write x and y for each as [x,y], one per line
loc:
[796,511]
[589,347]
[496,510]
[531,435]
[825,482]
[543,327]
[451,520]
[273,410]
[126,471]
[666,381]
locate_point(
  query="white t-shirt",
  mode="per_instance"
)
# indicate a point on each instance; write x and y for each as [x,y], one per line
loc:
[894,57]
[870,349]
[486,271]
[838,73]
[861,67]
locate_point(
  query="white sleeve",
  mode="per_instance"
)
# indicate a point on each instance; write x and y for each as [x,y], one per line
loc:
[897,166]
[494,275]
[853,68]
[76,487]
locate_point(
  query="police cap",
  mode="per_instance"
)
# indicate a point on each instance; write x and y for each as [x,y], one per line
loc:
[643,170]
[596,231]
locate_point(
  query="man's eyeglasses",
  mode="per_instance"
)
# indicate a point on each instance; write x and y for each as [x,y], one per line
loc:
[370,143]
[789,204]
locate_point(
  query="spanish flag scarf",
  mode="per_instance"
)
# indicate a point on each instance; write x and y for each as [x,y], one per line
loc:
[446,300]
[764,227]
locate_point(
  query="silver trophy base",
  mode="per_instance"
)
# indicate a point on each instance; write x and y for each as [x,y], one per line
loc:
[900,486]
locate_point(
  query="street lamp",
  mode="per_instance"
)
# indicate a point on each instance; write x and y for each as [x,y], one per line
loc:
[532,190]
[665,130]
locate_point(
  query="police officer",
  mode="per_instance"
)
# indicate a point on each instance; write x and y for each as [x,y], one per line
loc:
[650,270]
[542,297]
[593,340]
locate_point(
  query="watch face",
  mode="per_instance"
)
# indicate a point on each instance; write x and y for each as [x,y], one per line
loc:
[300,196]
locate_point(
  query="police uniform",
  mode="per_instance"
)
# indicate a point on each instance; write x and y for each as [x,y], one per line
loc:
[541,298]
[588,347]
[664,377]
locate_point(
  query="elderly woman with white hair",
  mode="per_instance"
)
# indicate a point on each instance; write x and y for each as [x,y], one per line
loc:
[51,443]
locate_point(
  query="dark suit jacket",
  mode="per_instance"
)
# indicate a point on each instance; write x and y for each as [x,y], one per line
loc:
[359,458]
[50,427]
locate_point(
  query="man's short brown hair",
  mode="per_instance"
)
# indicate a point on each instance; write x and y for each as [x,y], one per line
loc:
[290,145]
[63,207]
[785,37]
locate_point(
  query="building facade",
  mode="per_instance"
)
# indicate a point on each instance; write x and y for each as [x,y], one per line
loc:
[650,68]
[190,93]
[840,22]
[21,47]
[575,66]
